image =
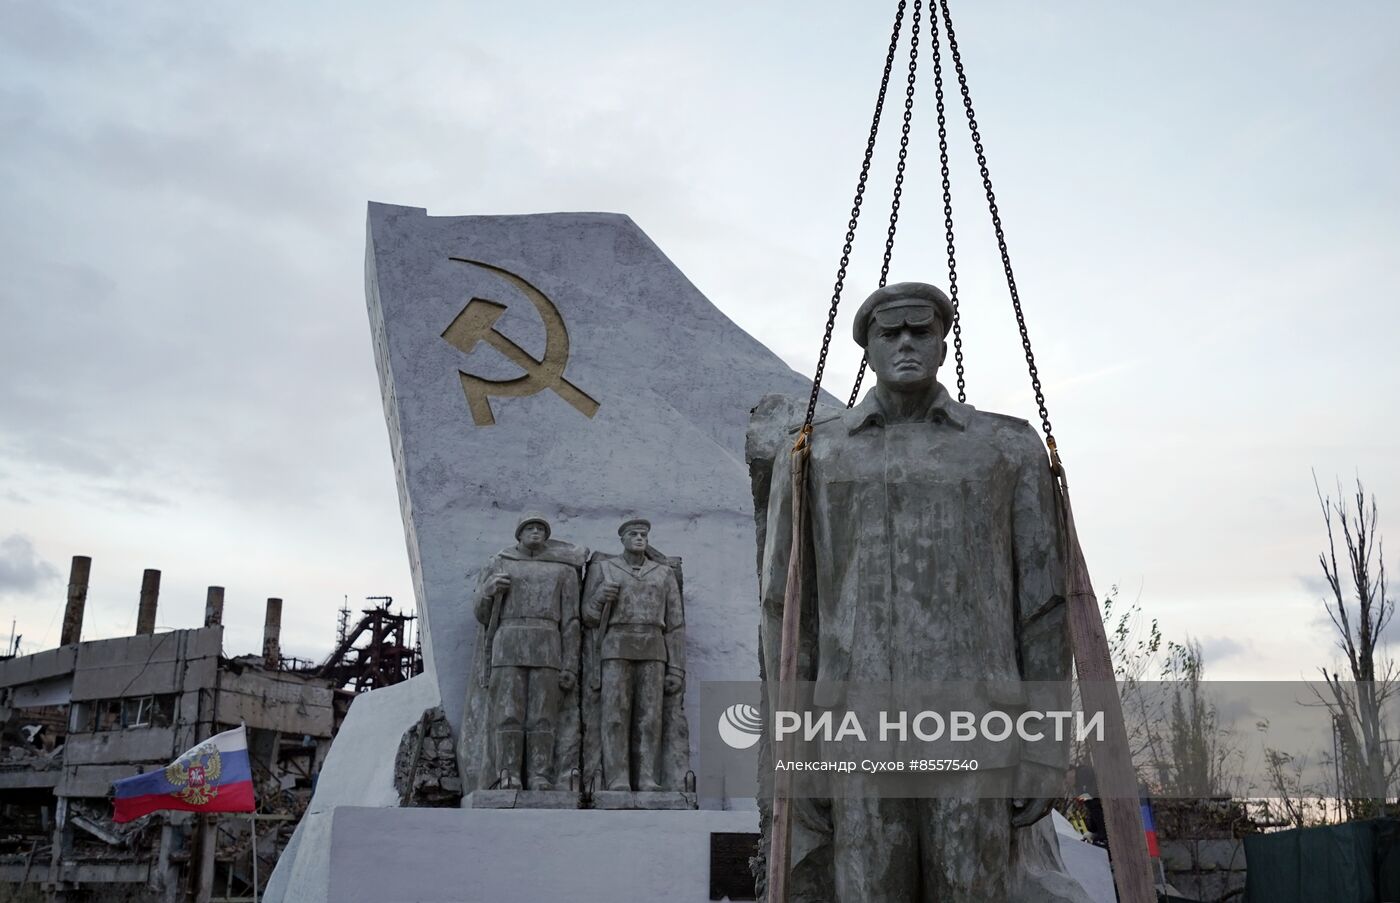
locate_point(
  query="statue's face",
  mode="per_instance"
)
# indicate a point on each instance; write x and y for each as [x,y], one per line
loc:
[533,537]
[634,539]
[906,356]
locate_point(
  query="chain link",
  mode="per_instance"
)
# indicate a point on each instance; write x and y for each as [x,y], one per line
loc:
[855,215]
[898,176]
[997,225]
[947,199]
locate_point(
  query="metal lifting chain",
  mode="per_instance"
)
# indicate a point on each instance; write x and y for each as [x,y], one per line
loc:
[1000,233]
[899,174]
[855,218]
[935,8]
[947,199]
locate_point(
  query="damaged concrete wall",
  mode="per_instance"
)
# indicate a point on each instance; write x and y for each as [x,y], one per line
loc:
[140,665]
[1211,869]
[277,701]
[146,744]
[39,666]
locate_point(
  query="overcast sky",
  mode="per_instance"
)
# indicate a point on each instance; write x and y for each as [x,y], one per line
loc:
[1201,200]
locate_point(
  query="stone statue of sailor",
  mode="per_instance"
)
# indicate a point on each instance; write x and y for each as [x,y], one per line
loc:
[933,557]
[635,606]
[527,600]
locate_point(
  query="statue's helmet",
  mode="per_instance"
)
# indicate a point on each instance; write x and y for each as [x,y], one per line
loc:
[903,302]
[533,519]
[633,522]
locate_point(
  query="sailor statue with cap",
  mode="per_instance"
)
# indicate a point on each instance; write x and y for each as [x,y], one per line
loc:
[634,604]
[527,600]
[935,559]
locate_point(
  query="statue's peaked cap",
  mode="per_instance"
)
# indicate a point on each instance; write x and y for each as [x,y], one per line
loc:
[902,294]
[631,522]
[533,519]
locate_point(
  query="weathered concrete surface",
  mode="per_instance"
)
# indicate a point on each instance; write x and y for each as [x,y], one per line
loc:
[523,799]
[630,799]
[40,666]
[272,699]
[506,855]
[150,744]
[1208,868]
[147,663]
[673,380]
[437,855]
[1214,854]
[425,768]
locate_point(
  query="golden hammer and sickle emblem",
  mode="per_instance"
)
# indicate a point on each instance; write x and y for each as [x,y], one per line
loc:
[477,323]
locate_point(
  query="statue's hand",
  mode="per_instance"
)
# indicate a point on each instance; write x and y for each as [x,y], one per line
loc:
[1027,811]
[566,680]
[1033,779]
[496,583]
[674,683]
[610,592]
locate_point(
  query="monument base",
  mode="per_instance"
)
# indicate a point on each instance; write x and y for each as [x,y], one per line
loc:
[639,799]
[519,855]
[663,800]
[504,855]
[523,799]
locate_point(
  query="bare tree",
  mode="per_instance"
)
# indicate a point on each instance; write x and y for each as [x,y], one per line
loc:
[1178,744]
[1201,749]
[1360,609]
[1289,803]
[1134,646]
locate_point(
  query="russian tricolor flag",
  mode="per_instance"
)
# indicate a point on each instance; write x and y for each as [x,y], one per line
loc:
[215,776]
[1150,827]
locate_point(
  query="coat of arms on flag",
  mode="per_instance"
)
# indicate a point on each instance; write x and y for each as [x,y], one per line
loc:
[214,776]
[196,774]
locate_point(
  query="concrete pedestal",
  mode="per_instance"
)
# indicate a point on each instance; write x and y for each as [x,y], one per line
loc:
[523,799]
[504,855]
[638,799]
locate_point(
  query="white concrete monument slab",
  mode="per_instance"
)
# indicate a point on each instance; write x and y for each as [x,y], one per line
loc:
[559,364]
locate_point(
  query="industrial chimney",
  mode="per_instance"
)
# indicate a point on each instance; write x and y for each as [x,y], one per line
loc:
[214,606]
[150,594]
[272,634]
[77,600]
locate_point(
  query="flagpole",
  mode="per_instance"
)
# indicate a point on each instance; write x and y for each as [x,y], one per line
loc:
[208,847]
[253,832]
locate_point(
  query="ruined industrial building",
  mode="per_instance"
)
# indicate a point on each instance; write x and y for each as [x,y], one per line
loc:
[84,714]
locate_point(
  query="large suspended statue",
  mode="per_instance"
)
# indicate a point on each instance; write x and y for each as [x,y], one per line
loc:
[932,555]
[934,469]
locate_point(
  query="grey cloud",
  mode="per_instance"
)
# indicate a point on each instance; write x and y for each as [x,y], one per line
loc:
[134,496]
[1315,585]
[1318,589]
[190,336]
[45,32]
[22,571]
[1218,648]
